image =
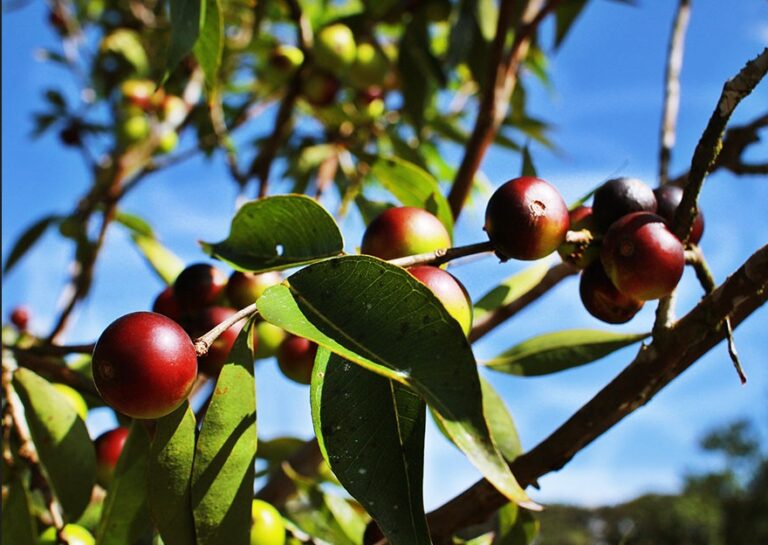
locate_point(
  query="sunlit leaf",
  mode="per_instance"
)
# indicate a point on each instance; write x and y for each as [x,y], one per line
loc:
[378,316]
[210,42]
[510,289]
[169,476]
[516,526]
[277,233]
[371,432]
[185,28]
[553,352]
[161,260]
[223,471]
[60,436]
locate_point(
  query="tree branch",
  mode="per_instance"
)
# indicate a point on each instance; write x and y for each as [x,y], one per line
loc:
[672,87]
[654,367]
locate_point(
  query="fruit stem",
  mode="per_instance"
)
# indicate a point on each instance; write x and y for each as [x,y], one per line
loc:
[203,343]
[443,255]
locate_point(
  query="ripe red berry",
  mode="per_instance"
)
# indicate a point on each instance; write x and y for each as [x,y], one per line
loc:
[668,198]
[402,231]
[449,290]
[144,365]
[296,358]
[526,218]
[20,317]
[109,445]
[166,304]
[217,355]
[621,196]
[198,286]
[642,257]
[601,298]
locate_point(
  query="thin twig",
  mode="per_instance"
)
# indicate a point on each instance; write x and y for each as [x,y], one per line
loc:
[443,255]
[203,343]
[672,88]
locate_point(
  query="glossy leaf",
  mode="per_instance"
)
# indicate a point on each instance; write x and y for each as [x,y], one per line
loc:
[185,28]
[223,471]
[487,18]
[413,186]
[18,524]
[309,511]
[277,233]
[516,526]
[60,436]
[553,352]
[500,422]
[125,517]
[169,476]
[134,223]
[380,317]
[28,239]
[210,42]
[160,259]
[371,433]
[510,289]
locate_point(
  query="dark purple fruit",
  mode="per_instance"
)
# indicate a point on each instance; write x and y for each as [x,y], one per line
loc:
[296,358]
[642,257]
[198,286]
[619,197]
[668,198]
[165,304]
[601,298]
[526,219]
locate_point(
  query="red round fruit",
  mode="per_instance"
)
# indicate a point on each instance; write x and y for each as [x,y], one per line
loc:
[601,298]
[296,357]
[668,198]
[642,257]
[372,534]
[243,288]
[109,445]
[166,304]
[402,231]
[20,317]
[217,355]
[144,365]
[526,218]
[449,290]
[199,286]
[621,196]
[320,88]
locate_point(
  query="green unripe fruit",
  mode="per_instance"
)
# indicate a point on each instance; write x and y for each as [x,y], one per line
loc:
[74,398]
[174,110]
[267,526]
[75,535]
[270,337]
[168,141]
[134,129]
[243,288]
[141,93]
[398,232]
[449,290]
[283,62]
[335,48]
[370,67]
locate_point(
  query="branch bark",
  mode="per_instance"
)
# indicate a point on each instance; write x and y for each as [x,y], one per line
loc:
[654,367]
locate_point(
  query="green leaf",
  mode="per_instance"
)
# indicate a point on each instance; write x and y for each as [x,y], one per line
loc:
[528,167]
[60,436]
[160,259]
[210,42]
[223,471]
[380,317]
[125,517]
[169,476]
[487,16]
[186,18]
[18,524]
[516,526]
[565,15]
[28,239]
[309,510]
[347,517]
[413,186]
[421,71]
[134,223]
[553,352]
[500,422]
[278,233]
[510,289]
[371,432]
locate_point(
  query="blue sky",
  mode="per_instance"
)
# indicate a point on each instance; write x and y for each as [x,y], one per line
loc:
[605,105]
